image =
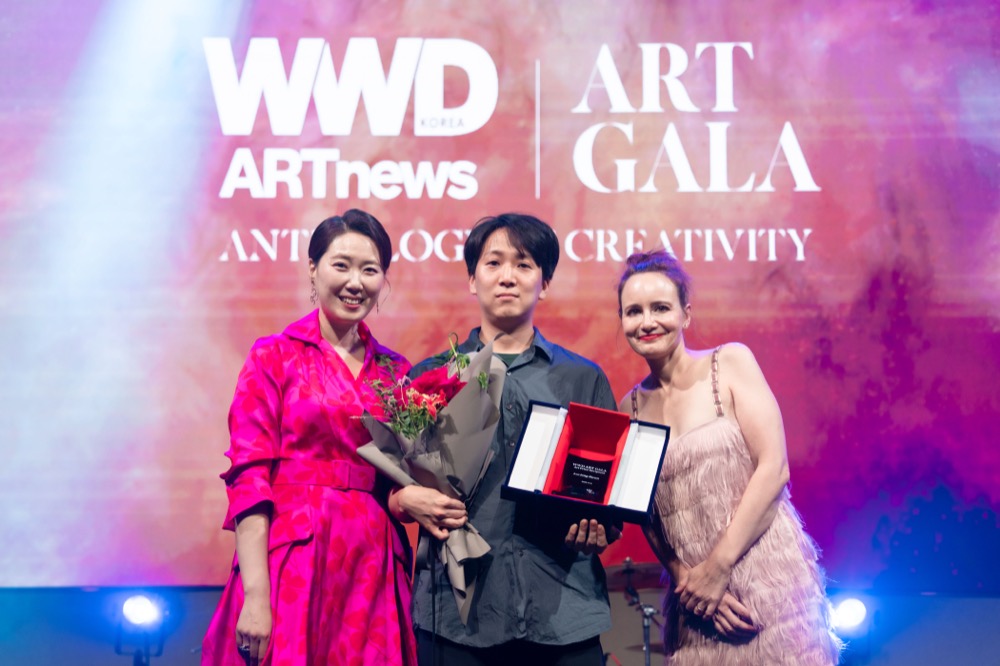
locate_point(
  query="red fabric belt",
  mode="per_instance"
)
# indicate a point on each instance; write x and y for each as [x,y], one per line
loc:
[334,473]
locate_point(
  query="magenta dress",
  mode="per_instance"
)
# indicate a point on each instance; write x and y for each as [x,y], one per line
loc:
[339,565]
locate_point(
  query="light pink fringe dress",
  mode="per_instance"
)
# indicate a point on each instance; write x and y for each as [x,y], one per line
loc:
[704,474]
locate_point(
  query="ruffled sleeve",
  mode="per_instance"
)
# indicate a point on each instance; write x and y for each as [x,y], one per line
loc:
[254,432]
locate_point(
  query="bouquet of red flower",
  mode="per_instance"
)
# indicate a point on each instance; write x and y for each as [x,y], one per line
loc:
[410,407]
[436,431]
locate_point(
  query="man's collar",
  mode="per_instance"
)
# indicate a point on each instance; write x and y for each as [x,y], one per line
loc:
[475,343]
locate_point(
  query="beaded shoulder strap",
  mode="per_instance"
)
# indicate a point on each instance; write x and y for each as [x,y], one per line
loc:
[715,381]
[635,401]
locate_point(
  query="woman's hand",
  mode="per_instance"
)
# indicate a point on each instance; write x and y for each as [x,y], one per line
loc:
[732,619]
[703,587]
[679,573]
[433,510]
[253,629]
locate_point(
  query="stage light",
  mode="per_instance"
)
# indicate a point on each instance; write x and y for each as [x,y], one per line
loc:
[849,614]
[854,618]
[140,632]
[141,611]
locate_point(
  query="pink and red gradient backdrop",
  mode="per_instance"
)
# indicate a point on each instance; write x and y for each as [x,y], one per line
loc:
[124,331]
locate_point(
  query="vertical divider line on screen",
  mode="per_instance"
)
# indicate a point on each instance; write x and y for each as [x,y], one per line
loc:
[538,129]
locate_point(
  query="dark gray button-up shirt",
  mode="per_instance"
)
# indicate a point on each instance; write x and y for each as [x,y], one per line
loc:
[530,586]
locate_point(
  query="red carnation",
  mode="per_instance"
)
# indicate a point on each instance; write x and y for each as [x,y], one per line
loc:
[439,381]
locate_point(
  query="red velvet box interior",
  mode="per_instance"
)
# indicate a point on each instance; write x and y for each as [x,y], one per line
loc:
[593,434]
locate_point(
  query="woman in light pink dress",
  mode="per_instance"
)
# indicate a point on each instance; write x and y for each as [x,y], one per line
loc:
[746,587]
[321,573]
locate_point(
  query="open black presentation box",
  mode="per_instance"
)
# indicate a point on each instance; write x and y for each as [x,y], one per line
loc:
[599,461]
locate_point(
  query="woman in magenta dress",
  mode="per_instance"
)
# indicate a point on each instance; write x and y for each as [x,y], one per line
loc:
[746,587]
[321,573]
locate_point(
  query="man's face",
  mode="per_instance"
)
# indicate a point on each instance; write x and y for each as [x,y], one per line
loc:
[508,283]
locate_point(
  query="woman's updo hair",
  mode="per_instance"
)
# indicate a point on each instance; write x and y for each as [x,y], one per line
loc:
[357,221]
[656,261]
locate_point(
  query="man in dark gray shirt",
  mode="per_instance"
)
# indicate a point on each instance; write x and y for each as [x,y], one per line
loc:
[541,595]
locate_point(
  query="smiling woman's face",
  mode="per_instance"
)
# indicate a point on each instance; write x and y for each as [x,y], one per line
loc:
[348,279]
[653,319]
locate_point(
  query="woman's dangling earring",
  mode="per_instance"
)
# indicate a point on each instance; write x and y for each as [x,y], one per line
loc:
[313,297]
